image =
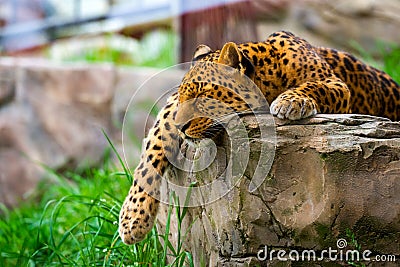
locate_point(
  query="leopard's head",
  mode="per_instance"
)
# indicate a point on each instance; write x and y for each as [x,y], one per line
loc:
[218,84]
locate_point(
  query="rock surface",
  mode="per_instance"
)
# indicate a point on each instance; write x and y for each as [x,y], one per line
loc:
[53,115]
[330,174]
[54,118]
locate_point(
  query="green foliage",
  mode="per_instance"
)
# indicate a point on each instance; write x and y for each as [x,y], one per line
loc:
[387,58]
[158,51]
[391,62]
[75,223]
[180,255]
[106,54]
[354,243]
[155,49]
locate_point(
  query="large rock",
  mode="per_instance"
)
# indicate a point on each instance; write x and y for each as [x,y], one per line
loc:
[333,176]
[50,115]
[53,114]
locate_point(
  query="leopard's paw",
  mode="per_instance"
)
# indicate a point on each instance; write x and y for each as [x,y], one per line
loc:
[137,215]
[293,107]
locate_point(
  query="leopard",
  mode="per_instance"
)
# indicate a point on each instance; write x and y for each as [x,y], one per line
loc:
[296,78]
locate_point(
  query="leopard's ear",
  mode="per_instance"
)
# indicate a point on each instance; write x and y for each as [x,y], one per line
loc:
[200,52]
[231,55]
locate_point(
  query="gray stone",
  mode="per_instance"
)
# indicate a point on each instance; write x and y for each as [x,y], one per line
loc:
[72,106]
[53,114]
[330,174]
[54,117]
[18,176]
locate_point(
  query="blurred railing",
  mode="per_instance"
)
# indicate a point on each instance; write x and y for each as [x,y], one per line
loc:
[30,23]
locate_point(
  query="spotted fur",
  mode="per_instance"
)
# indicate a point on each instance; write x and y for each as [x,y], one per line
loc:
[296,78]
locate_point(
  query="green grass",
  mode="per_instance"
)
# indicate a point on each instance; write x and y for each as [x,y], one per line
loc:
[73,222]
[391,62]
[155,49]
[354,243]
[387,58]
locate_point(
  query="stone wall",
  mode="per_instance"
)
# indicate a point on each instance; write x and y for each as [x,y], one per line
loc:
[53,115]
[330,174]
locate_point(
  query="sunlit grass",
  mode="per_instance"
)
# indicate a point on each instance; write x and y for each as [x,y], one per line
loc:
[155,49]
[387,58]
[391,62]
[74,222]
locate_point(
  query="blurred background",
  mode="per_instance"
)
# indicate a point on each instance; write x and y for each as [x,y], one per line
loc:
[68,70]
[33,27]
